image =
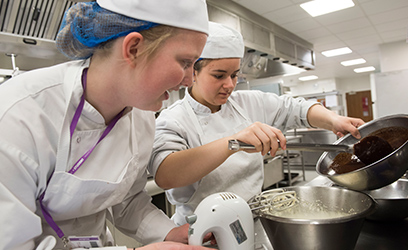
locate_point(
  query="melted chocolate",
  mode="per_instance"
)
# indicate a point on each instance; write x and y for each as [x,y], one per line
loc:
[370,149]
[395,136]
[345,162]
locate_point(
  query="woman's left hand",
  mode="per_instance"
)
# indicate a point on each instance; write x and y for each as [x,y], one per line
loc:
[343,125]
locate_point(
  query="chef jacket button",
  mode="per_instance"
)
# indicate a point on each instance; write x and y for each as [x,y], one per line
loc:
[205,123]
[78,139]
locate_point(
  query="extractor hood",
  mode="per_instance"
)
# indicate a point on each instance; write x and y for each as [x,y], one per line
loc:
[269,49]
[28,29]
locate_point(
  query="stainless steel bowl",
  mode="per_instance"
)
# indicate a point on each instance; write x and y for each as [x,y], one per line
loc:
[392,201]
[378,174]
[339,233]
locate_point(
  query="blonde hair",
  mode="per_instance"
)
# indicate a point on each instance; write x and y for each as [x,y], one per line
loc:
[154,37]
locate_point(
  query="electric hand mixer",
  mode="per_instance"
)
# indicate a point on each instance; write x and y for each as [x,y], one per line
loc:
[228,217]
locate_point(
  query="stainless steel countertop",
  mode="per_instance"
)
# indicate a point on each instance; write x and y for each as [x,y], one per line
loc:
[373,236]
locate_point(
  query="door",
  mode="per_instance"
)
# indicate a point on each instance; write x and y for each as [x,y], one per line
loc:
[359,105]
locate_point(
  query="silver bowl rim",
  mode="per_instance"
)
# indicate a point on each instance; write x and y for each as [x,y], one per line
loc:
[383,198]
[337,220]
[367,166]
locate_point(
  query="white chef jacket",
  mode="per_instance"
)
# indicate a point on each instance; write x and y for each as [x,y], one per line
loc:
[36,110]
[176,131]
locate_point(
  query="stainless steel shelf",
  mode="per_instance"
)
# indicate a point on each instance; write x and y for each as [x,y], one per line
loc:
[288,158]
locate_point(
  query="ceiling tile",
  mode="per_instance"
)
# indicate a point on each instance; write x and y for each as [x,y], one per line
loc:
[329,46]
[387,26]
[355,33]
[340,16]
[378,6]
[263,6]
[372,39]
[349,25]
[287,15]
[325,40]
[301,25]
[312,34]
[389,16]
[363,49]
[363,1]
[394,35]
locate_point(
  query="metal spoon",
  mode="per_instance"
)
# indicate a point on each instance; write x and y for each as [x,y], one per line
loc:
[236,145]
[368,150]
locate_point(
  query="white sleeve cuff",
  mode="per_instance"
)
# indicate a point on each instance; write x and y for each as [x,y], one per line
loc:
[155,227]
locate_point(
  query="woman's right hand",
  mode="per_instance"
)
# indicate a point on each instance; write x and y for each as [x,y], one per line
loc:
[168,245]
[264,137]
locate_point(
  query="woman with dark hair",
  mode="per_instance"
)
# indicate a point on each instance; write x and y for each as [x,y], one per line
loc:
[191,158]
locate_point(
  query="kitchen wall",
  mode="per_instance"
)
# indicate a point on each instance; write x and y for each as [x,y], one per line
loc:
[314,87]
[389,88]
[360,83]
[319,87]
[355,84]
[394,56]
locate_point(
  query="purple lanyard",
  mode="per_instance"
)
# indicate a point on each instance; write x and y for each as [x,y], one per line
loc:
[81,160]
[74,123]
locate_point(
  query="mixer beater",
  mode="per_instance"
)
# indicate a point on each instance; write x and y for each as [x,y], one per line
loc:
[274,200]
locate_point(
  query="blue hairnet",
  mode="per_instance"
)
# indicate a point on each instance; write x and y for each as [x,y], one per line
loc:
[86,25]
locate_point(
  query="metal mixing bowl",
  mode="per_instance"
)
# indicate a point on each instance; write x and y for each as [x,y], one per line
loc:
[339,233]
[378,174]
[392,201]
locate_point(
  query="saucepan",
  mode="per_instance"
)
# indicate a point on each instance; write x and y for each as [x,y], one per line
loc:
[377,174]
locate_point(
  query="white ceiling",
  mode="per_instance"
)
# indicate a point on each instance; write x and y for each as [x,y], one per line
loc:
[362,28]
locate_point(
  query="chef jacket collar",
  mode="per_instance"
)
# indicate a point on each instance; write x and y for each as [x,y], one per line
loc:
[198,108]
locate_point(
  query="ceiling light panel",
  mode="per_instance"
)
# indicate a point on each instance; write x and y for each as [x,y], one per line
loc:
[365,69]
[337,52]
[353,62]
[308,78]
[321,7]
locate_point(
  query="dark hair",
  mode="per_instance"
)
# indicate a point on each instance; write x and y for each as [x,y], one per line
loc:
[200,64]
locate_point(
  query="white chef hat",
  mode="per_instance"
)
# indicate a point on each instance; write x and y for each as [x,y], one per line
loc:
[187,14]
[223,42]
